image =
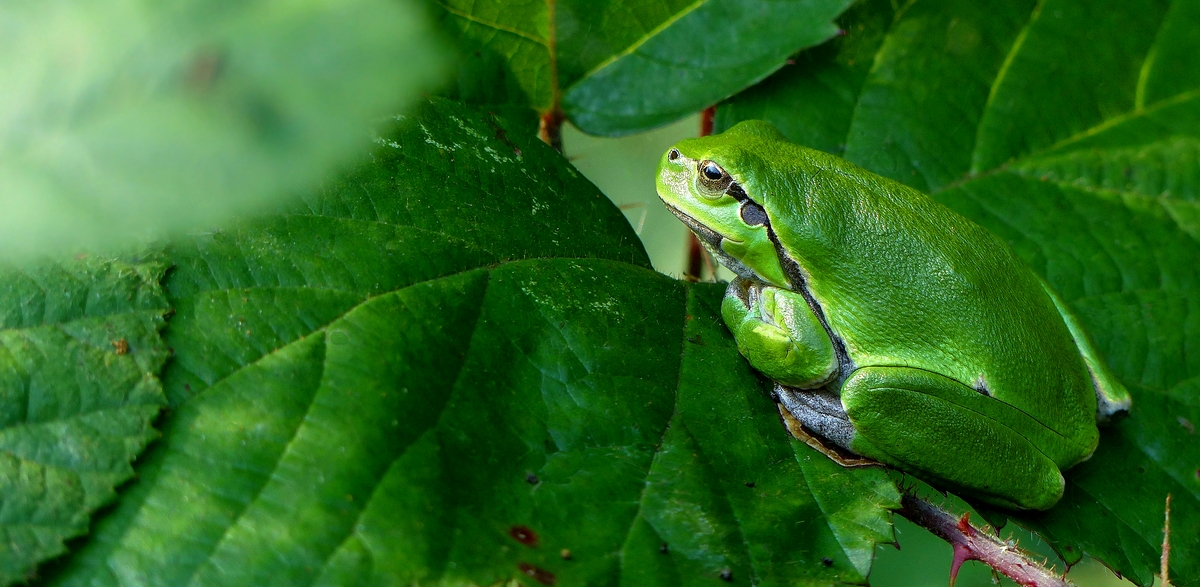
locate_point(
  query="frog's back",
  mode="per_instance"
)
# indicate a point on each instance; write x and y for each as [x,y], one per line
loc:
[905,281]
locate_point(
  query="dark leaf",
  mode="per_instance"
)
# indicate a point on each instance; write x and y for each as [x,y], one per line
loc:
[363,387]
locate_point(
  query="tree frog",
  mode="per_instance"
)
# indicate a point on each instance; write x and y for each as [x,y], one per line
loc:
[893,327]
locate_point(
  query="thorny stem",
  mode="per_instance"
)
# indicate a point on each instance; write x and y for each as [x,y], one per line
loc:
[695,258]
[971,543]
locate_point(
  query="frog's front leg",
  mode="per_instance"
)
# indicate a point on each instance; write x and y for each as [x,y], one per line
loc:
[779,334]
[922,421]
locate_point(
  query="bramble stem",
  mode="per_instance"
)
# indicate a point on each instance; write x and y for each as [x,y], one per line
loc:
[971,543]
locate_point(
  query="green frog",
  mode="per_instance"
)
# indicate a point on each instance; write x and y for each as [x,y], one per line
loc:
[893,327]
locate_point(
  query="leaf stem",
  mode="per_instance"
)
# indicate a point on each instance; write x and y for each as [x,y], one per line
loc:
[696,258]
[707,117]
[695,266]
[971,543]
[550,129]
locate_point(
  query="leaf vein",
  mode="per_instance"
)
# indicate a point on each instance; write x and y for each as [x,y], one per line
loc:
[493,25]
[642,40]
[1002,73]
[216,545]
[353,528]
[1179,98]
[899,12]
[662,437]
[1139,95]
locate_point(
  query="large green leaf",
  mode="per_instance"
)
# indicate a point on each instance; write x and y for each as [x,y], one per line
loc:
[79,354]
[620,67]
[121,118]
[451,367]
[1071,129]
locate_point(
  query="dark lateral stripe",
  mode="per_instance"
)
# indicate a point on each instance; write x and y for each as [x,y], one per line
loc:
[735,190]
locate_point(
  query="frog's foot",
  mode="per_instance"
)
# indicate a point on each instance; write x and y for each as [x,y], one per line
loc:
[835,454]
[923,422]
[779,334]
[820,411]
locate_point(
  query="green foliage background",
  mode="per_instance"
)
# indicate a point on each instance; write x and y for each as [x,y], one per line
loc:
[452,362]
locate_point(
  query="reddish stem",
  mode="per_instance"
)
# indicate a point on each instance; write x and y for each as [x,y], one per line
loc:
[695,258]
[550,130]
[706,120]
[971,543]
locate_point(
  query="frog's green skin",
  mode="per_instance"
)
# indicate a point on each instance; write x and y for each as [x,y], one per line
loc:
[894,327]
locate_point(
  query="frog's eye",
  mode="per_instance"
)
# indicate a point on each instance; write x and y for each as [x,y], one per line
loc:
[712,180]
[673,155]
[711,171]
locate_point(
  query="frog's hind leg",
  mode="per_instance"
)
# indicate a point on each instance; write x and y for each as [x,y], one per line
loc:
[920,421]
[1112,399]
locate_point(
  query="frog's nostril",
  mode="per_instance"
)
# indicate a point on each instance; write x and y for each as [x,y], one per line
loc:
[673,155]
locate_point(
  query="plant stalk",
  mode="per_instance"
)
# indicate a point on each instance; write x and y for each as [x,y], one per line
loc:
[972,543]
[695,256]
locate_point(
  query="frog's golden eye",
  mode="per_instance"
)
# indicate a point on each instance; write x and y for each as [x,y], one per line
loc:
[711,179]
[711,171]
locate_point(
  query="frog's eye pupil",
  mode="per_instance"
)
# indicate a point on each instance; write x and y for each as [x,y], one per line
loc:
[711,171]
[673,155]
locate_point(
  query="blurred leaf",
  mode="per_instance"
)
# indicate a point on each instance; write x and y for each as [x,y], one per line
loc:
[123,118]
[449,367]
[1087,164]
[618,68]
[79,350]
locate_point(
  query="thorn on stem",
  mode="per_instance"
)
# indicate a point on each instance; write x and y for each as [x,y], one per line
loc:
[971,543]
[964,524]
[961,555]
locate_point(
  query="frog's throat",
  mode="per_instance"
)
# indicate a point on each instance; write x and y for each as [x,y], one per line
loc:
[711,240]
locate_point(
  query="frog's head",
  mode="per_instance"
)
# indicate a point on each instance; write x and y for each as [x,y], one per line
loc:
[709,184]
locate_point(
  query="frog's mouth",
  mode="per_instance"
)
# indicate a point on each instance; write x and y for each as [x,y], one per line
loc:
[711,240]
